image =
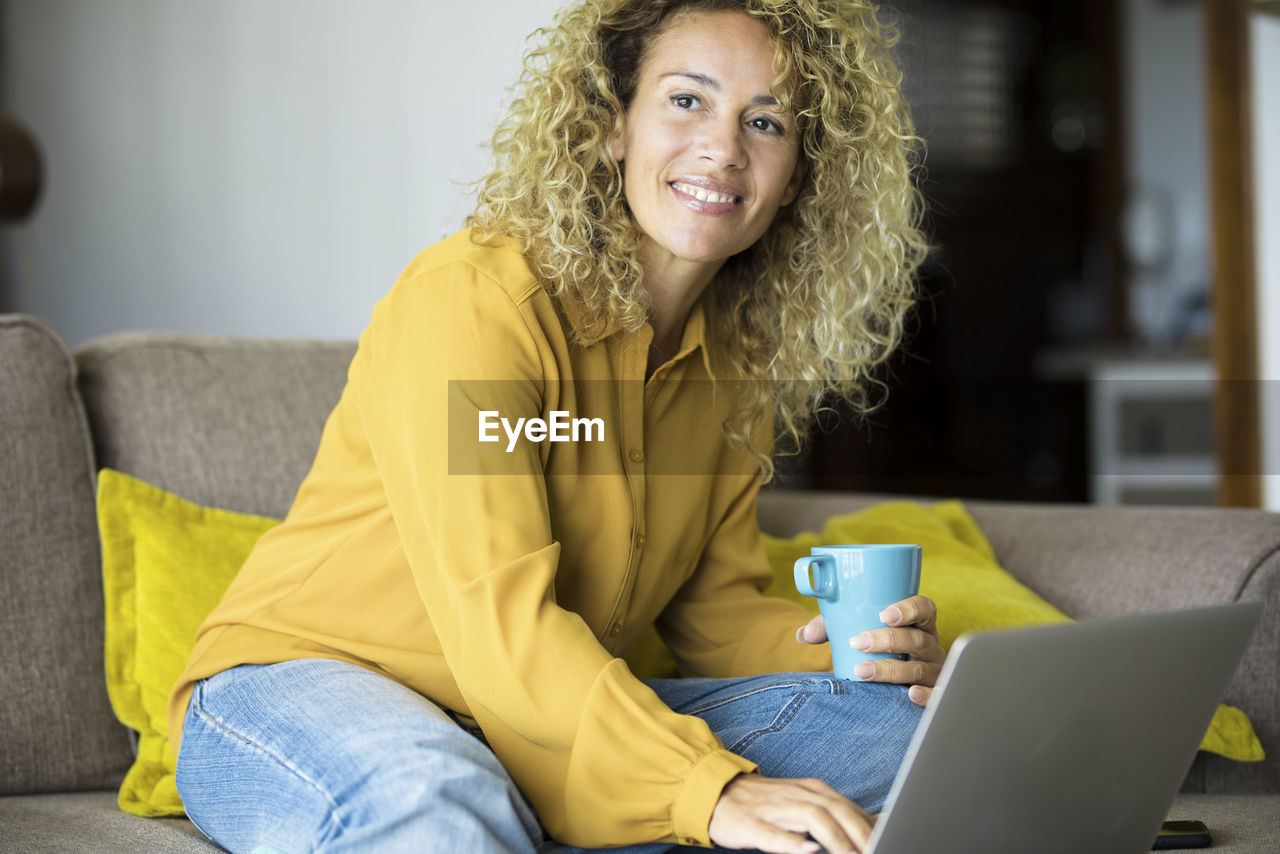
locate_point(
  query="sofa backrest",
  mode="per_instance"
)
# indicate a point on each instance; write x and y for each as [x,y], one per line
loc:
[57,731]
[223,422]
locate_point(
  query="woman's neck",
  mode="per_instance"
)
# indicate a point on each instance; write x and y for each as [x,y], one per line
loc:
[673,285]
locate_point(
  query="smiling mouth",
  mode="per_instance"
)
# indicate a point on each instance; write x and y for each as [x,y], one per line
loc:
[704,195]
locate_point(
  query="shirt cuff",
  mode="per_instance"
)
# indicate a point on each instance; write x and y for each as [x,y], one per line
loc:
[692,812]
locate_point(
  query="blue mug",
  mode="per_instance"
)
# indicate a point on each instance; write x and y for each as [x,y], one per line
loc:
[853,584]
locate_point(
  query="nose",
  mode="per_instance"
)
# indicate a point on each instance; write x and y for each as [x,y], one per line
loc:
[722,143]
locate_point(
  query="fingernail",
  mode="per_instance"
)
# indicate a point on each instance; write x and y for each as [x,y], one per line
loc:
[862,641]
[864,670]
[890,615]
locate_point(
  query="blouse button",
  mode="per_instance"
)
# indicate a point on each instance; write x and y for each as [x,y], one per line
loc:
[637,455]
[615,629]
[639,541]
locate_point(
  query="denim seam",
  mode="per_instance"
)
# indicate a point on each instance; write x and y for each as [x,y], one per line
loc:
[197,695]
[715,704]
[788,713]
[245,739]
[833,687]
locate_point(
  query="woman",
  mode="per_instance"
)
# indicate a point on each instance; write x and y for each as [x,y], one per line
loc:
[701,221]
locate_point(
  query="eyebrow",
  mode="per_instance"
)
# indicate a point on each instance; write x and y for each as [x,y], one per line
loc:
[714,85]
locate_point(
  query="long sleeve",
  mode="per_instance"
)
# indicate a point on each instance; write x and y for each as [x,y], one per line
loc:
[600,757]
[720,623]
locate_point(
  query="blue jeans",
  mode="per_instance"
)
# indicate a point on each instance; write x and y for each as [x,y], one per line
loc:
[318,754]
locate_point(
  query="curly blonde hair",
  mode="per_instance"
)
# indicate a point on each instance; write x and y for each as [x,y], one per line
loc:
[819,301]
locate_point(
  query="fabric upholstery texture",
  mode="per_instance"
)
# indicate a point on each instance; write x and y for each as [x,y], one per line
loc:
[1237,823]
[165,564]
[222,422]
[56,729]
[79,822]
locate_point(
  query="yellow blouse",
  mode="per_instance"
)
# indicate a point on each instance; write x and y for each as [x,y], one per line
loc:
[500,568]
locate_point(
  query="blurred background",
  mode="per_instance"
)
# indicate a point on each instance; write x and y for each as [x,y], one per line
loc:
[1103,183]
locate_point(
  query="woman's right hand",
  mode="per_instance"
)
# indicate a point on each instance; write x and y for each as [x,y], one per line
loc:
[779,816]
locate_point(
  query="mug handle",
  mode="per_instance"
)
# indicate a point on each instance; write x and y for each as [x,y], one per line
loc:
[820,565]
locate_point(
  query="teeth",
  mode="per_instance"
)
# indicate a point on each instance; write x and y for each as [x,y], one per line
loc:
[704,195]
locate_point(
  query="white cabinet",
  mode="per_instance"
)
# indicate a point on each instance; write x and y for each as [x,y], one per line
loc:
[1151,431]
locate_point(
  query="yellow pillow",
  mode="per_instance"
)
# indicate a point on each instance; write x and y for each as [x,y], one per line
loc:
[165,564]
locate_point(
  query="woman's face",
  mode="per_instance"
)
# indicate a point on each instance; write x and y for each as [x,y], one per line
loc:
[709,155]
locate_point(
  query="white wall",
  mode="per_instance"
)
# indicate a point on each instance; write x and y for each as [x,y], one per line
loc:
[254,167]
[1265,50]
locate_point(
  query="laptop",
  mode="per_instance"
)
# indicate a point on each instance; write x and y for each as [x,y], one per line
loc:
[1066,738]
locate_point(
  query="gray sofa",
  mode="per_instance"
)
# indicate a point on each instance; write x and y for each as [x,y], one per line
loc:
[233,423]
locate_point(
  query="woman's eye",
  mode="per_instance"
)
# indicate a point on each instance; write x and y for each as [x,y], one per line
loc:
[761,123]
[684,102]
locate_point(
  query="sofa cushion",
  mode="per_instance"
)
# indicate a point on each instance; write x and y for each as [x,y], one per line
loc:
[56,727]
[77,822]
[220,421]
[89,821]
[1239,823]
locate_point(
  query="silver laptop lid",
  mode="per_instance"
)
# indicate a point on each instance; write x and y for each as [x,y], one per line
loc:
[1065,738]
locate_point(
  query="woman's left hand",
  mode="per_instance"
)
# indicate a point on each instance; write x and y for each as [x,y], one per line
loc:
[913,630]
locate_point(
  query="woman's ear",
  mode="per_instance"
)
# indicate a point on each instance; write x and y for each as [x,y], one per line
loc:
[618,142]
[797,180]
